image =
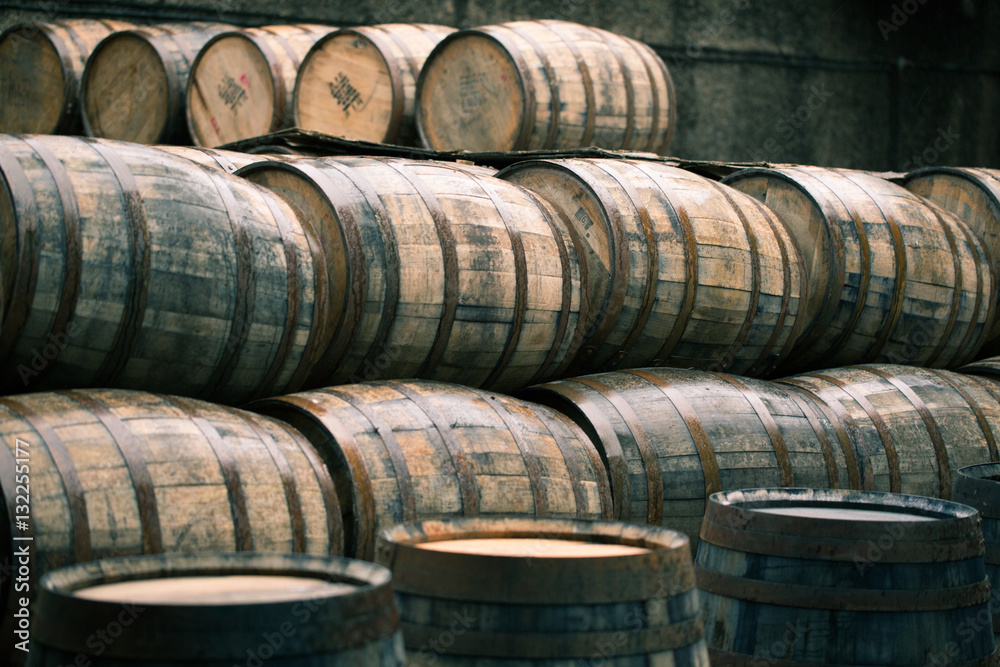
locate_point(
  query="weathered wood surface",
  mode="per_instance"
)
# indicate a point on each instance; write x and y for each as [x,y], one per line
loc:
[843,578]
[40,69]
[978,486]
[681,271]
[547,598]
[403,451]
[892,277]
[228,161]
[361,83]
[544,84]
[242,82]
[132,268]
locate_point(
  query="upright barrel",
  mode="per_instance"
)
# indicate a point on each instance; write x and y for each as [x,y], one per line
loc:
[681,271]
[978,487]
[219,609]
[128,267]
[544,84]
[135,82]
[361,83]
[40,69]
[481,592]
[403,451]
[824,577]
[436,270]
[892,277]
[241,82]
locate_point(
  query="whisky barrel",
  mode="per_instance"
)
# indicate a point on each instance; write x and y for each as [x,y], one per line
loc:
[544,84]
[118,473]
[360,83]
[892,277]
[974,196]
[825,577]
[218,609]
[134,85]
[513,591]
[671,438]
[978,486]
[128,267]
[40,69]
[241,82]
[681,271]
[227,161]
[403,451]
[916,427]
[437,271]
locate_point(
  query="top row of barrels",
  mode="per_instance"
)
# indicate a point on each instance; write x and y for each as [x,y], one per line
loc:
[514,86]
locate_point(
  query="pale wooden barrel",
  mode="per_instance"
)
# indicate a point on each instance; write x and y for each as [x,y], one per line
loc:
[544,84]
[916,427]
[128,267]
[361,83]
[681,271]
[672,437]
[218,610]
[978,486]
[403,451]
[823,577]
[892,277]
[437,271]
[241,83]
[40,69]
[227,161]
[134,85]
[117,473]
[513,592]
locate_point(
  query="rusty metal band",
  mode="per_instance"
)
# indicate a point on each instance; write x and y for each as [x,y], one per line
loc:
[555,106]
[467,484]
[128,445]
[449,257]
[720,658]
[69,478]
[984,423]
[940,448]
[588,82]
[22,289]
[69,63]
[976,248]
[280,95]
[643,443]
[802,596]
[709,465]
[608,40]
[530,108]
[140,265]
[398,109]
[651,145]
[888,444]
[670,93]
[169,54]
[781,457]
[520,276]
[832,475]
[532,462]
[956,298]
[575,465]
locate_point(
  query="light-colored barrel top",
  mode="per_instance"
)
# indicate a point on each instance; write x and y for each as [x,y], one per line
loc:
[242,589]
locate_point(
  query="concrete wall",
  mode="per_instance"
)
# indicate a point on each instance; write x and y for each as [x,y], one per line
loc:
[854,83]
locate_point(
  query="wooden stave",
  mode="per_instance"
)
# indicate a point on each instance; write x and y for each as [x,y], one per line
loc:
[976,487]
[227,161]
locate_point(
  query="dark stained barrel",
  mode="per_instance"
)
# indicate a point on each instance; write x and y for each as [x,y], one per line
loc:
[480,592]
[219,609]
[978,486]
[824,577]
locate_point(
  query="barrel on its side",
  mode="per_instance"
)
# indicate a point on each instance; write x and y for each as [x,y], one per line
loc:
[361,83]
[829,577]
[479,592]
[978,486]
[40,69]
[544,84]
[403,451]
[228,161]
[218,609]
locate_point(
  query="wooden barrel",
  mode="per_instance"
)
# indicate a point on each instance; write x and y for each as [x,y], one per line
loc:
[40,69]
[978,486]
[132,268]
[916,427]
[403,451]
[482,592]
[681,271]
[974,196]
[825,577]
[892,278]
[227,161]
[135,82]
[117,473]
[241,83]
[437,271]
[671,438]
[361,83]
[544,84]
[218,609]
